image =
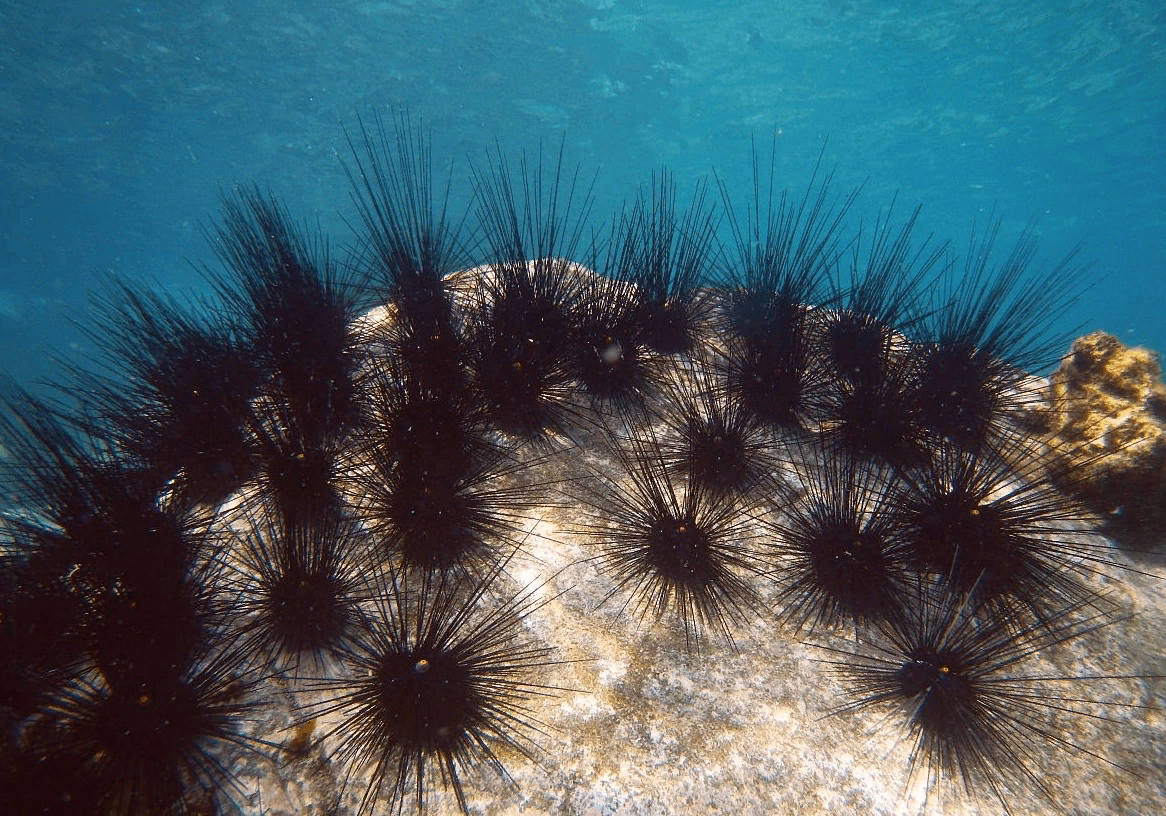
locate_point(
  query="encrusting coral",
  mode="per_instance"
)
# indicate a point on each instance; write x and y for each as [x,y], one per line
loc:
[1107,415]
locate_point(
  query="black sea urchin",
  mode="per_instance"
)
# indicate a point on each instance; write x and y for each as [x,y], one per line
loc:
[152,697]
[176,396]
[782,256]
[299,585]
[710,437]
[1013,539]
[440,684]
[521,326]
[672,544]
[669,268]
[158,741]
[609,353]
[963,684]
[140,569]
[989,327]
[295,310]
[839,555]
[863,316]
[411,247]
[874,415]
[434,485]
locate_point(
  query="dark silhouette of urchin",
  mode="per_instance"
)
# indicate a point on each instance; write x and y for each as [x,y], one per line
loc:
[609,353]
[435,486]
[673,545]
[161,741]
[432,519]
[710,437]
[139,566]
[989,327]
[865,315]
[298,471]
[172,392]
[295,309]
[40,628]
[670,259]
[783,255]
[1012,538]
[520,324]
[965,688]
[875,416]
[870,408]
[838,555]
[440,684]
[300,586]
[137,725]
[411,246]
[772,371]
[520,372]
[412,419]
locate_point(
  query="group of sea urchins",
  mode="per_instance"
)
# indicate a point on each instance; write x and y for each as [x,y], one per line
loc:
[274,484]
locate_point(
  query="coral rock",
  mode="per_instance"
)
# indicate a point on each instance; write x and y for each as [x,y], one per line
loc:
[1108,416]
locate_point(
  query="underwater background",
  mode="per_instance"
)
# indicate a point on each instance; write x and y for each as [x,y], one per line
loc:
[124,122]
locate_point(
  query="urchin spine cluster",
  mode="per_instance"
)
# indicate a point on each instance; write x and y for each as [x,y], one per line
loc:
[962,685]
[785,421]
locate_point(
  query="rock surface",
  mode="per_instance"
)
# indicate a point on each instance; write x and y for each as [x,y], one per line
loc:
[640,725]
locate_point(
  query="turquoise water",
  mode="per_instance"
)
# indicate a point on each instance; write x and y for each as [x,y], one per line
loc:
[122,122]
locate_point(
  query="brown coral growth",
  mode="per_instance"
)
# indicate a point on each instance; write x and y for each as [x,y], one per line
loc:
[1108,416]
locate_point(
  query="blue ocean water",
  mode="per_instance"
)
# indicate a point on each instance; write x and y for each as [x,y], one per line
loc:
[124,121]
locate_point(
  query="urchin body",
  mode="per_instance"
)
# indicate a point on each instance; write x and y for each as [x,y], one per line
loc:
[437,686]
